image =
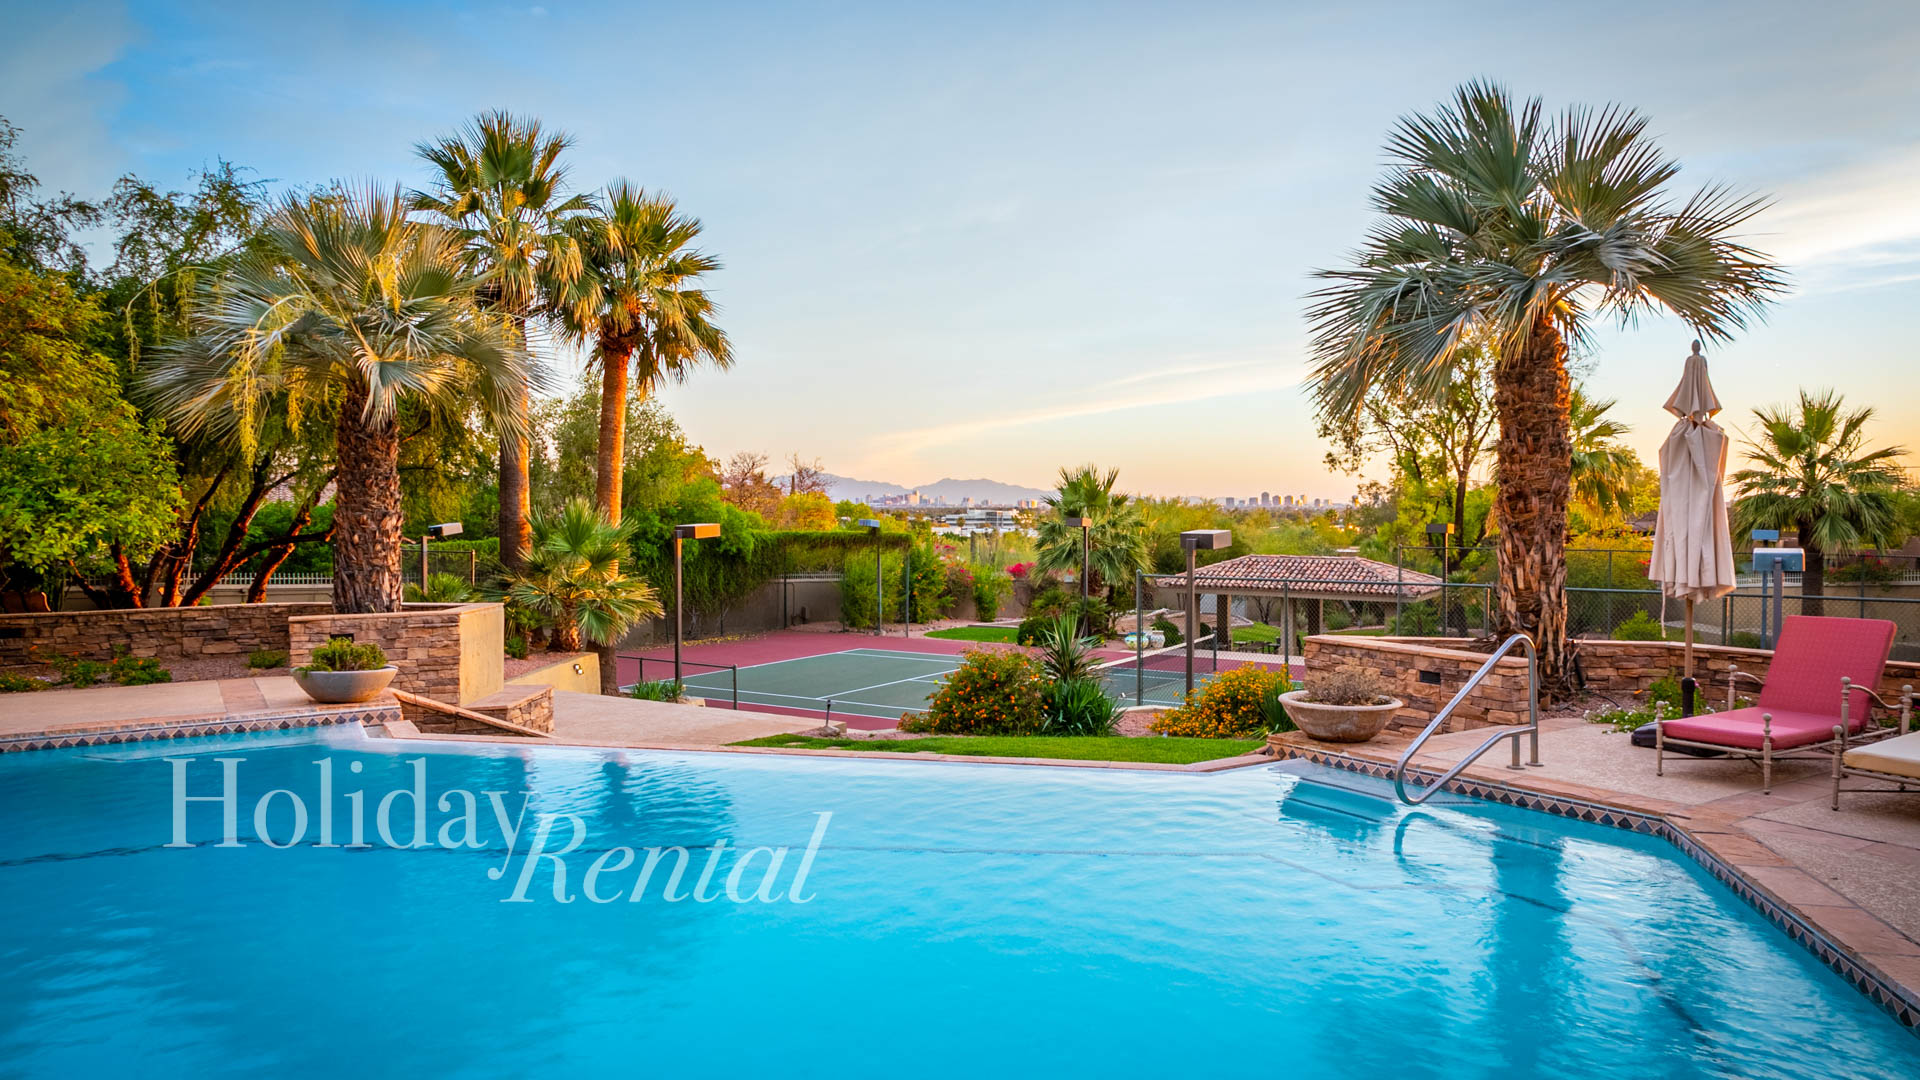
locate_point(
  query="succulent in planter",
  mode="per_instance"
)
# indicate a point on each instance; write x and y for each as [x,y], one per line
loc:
[342,672]
[1342,705]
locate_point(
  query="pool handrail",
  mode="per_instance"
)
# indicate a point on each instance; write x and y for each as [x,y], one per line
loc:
[1531,728]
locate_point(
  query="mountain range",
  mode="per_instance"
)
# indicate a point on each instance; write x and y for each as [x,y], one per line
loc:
[980,491]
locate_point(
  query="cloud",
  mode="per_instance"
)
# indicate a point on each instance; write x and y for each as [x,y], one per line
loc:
[1846,228]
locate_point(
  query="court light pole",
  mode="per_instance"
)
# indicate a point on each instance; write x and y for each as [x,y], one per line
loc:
[435,532]
[872,525]
[1085,525]
[1443,530]
[704,530]
[1194,541]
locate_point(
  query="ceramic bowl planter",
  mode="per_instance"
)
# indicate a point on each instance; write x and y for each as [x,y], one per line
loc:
[1338,723]
[344,687]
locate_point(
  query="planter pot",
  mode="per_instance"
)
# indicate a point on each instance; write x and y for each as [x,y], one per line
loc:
[344,687]
[1339,723]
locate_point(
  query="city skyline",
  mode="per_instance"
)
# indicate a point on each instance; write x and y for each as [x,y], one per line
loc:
[997,241]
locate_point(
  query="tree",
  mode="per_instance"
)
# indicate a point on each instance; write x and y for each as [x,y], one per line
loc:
[637,304]
[743,480]
[1813,474]
[1506,227]
[353,311]
[806,477]
[1605,472]
[807,510]
[572,576]
[1116,541]
[501,191]
[38,234]
[1444,439]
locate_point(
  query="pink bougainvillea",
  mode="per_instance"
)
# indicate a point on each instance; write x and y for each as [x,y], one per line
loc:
[1019,569]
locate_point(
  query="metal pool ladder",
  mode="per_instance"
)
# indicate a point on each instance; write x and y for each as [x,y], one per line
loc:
[1531,729]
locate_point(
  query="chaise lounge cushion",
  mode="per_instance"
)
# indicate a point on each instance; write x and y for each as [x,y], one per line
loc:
[1898,756]
[1744,728]
[1815,651]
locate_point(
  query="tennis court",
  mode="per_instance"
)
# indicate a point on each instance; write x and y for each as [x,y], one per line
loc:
[883,683]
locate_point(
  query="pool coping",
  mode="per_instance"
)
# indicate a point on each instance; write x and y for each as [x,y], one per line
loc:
[378,712]
[1842,938]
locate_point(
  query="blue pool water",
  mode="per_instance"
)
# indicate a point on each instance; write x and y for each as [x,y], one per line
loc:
[960,921]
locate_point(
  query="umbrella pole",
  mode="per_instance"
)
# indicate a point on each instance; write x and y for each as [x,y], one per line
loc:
[1686,671]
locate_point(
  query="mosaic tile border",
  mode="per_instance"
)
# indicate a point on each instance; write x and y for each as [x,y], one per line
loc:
[1892,997]
[199,726]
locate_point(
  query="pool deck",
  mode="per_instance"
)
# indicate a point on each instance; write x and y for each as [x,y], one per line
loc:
[49,719]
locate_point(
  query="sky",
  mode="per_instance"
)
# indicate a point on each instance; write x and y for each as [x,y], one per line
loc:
[991,240]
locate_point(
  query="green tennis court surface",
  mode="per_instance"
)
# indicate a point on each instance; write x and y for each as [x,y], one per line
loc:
[882,683]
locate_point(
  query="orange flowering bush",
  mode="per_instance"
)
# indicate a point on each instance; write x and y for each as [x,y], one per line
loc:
[992,692]
[1243,703]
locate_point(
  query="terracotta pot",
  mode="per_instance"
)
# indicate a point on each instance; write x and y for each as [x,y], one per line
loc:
[1338,723]
[344,687]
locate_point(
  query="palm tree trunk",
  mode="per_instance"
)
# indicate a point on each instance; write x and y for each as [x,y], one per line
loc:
[1535,457]
[1813,576]
[612,455]
[515,497]
[366,519]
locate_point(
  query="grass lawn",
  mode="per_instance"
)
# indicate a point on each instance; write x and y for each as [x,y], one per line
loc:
[1076,747]
[1258,632]
[976,633]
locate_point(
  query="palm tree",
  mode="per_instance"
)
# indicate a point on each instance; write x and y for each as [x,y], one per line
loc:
[637,305]
[501,192]
[1505,227]
[1116,541]
[1814,475]
[572,577]
[350,309]
[1603,470]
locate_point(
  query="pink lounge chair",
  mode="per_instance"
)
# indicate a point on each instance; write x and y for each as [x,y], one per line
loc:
[1806,702]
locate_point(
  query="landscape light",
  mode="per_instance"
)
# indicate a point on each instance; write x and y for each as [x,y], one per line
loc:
[703,530]
[1194,541]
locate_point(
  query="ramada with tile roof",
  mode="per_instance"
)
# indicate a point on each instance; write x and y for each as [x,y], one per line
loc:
[1308,577]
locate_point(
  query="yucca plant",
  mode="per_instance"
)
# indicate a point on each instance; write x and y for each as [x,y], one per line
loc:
[442,588]
[1504,226]
[572,578]
[1064,654]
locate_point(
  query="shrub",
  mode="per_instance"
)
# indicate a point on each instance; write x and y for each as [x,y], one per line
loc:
[1032,630]
[1172,632]
[658,690]
[1744,639]
[990,586]
[341,654]
[1080,707]
[1235,704]
[441,589]
[992,692]
[1337,617]
[1640,626]
[18,684]
[1345,686]
[517,646]
[138,671]
[77,673]
[267,658]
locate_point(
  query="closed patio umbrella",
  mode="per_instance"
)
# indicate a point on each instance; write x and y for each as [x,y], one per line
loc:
[1692,545]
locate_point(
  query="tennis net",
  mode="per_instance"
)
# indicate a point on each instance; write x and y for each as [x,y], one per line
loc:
[1159,676]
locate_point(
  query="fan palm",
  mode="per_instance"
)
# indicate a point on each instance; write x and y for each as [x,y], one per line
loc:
[637,304]
[1814,475]
[346,307]
[572,577]
[1603,469]
[501,191]
[1116,541]
[1504,226]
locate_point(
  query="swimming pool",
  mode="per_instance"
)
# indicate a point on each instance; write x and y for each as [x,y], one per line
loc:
[958,920]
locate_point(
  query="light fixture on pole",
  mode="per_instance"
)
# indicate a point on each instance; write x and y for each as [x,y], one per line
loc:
[1194,541]
[435,532]
[1085,525]
[872,525]
[704,530]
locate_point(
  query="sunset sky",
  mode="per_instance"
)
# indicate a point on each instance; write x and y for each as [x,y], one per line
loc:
[993,239]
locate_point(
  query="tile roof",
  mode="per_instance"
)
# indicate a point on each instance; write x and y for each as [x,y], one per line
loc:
[1338,575]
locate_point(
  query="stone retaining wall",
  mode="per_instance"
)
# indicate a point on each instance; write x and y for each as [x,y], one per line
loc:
[1426,673]
[173,633]
[447,652]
